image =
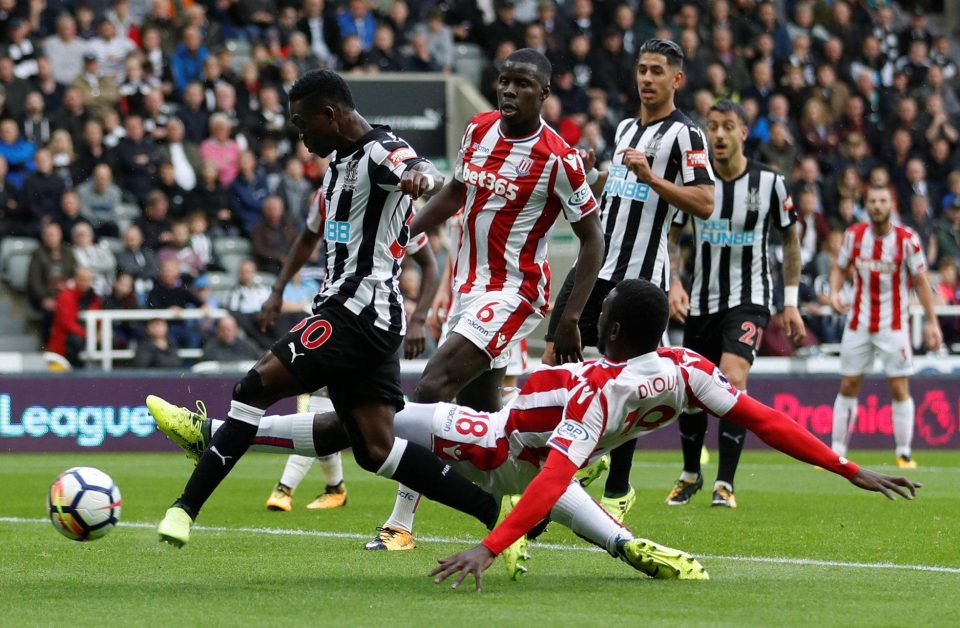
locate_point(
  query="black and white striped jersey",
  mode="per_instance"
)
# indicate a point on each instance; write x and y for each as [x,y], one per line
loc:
[635,220]
[730,264]
[364,221]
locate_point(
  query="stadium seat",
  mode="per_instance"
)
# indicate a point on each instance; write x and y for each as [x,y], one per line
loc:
[220,281]
[231,246]
[114,244]
[469,61]
[17,246]
[231,261]
[266,279]
[15,269]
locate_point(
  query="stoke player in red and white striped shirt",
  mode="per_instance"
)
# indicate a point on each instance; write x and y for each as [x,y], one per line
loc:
[885,260]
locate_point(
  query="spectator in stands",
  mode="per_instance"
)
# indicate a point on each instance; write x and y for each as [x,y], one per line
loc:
[179,248]
[573,98]
[187,60]
[156,60]
[295,191]
[111,48]
[228,346]
[948,232]
[100,200]
[154,224]
[137,261]
[123,296]
[383,56]
[818,135]
[67,333]
[157,350]
[51,264]
[273,236]
[135,86]
[920,218]
[65,50]
[73,115]
[17,152]
[42,189]
[249,293]
[13,222]
[68,213]
[36,126]
[15,89]
[193,113]
[439,39]
[99,91]
[948,293]
[169,291]
[63,157]
[135,159]
[247,192]
[200,242]
[176,195]
[352,59]
[952,194]
[357,19]
[211,197]
[156,115]
[813,226]
[302,55]
[321,30]
[221,149]
[97,258]
[419,59]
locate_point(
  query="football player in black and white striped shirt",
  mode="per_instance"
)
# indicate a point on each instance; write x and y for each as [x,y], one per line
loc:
[661,166]
[350,344]
[730,300]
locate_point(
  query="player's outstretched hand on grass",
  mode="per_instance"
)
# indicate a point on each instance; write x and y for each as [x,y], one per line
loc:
[887,484]
[473,561]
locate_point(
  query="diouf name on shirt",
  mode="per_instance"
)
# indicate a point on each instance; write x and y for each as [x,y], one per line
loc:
[718,233]
[617,185]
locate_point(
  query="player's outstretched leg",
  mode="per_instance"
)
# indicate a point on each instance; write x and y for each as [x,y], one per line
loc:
[693,427]
[188,429]
[295,469]
[731,441]
[618,495]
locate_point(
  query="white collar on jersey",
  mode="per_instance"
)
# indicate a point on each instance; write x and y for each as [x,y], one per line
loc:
[519,140]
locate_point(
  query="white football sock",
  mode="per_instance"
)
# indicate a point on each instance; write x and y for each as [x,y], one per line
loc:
[295,470]
[903,419]
[404,509]
[844,418]
[578,511]
[283,433]
[332,467]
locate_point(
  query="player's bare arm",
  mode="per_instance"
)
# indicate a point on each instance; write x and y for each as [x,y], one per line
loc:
[439,209]
[792,321]
[589,158]
[837,277]
[677,296]
[567,347]
[415,340]
[423,179]
[932,334]
[696,200]
[303,248]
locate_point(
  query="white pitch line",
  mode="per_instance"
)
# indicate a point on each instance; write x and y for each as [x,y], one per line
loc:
[775,466]
[812,562]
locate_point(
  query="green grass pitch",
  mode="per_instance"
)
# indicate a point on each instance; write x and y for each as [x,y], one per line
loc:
[804,548]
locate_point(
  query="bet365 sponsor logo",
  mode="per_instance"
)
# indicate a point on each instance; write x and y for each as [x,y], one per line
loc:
[88,425]
[473,175]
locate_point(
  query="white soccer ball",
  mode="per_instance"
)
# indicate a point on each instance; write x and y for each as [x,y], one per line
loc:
[84,504]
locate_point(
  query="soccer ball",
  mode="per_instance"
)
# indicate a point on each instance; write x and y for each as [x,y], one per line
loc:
[84,504]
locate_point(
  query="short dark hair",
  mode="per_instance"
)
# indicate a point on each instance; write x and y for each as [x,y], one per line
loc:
[641,309]
[534,58]
[665,47]
[728,106]
[323,86]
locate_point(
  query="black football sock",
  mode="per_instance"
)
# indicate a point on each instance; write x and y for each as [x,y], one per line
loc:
[226,446]
[422,471]
[618,479]
[732,437]
[693,427]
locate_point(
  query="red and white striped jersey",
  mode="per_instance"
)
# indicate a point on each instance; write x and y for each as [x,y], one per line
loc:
[515,190]
[882,269]
[587,409]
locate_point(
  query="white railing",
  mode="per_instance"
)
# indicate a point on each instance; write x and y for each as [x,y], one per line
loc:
[100,347]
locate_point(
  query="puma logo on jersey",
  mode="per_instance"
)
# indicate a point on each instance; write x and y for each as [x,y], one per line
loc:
[293,352]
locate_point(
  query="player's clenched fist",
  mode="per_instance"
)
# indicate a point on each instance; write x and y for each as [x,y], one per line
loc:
[416,183]
[636,161]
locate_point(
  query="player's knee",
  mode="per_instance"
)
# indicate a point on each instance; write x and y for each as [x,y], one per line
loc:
[249,389]
[850,386]
[435,386]
[371,456]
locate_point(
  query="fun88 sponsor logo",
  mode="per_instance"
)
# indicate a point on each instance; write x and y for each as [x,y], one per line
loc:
[718,233]
[617,185]
[490,181]
[338,231]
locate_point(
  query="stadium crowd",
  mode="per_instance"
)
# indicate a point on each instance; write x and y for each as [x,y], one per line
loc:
[147,143]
